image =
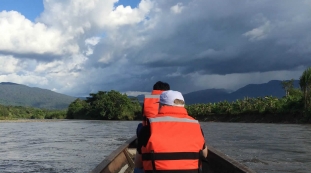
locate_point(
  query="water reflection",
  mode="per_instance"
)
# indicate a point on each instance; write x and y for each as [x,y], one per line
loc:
[264,147]
[69,146]
[78,146]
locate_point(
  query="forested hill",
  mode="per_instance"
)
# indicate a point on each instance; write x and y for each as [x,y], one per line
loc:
[22,95]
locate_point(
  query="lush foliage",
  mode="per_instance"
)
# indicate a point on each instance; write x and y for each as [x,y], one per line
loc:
[19,112]
[105,105]
[305,85]
[248,106]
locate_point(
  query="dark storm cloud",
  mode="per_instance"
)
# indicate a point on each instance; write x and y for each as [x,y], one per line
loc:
[47,57]
[238,37]
[191,44]
[210,38]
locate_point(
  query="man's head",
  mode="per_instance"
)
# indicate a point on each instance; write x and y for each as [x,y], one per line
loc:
[161,86]
[172,98]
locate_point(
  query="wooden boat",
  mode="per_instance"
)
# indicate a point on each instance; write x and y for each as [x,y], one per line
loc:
[122,161]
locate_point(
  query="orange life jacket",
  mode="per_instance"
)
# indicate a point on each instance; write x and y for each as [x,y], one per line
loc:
[151,105]
[175,142]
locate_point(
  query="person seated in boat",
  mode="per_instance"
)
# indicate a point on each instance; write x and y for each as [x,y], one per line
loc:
[172,140]
[150,106]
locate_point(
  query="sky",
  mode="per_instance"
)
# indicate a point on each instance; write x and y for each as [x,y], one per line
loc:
[78,47]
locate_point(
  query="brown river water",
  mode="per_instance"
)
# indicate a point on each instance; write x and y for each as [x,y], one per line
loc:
[78,146]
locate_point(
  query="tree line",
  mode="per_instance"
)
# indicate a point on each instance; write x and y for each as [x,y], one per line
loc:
[22,112]
[105,105]
[295,106]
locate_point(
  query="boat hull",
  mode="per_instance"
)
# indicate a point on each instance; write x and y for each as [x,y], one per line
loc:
[122,161]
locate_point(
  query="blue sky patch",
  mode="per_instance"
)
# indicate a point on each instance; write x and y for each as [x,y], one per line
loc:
[31,9]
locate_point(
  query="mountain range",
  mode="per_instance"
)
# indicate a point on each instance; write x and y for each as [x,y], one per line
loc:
[272,88]
[22,95]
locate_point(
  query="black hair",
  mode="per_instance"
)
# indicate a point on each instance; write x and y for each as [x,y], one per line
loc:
[161,86]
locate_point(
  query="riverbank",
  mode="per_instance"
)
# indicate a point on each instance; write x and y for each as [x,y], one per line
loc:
[255,118]
[31,120]
[250,118]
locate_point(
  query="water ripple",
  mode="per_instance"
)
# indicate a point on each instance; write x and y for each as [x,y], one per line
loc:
[78,146]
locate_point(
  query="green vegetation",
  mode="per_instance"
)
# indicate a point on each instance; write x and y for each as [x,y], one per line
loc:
[105,105]
[294,107]
[19,112]
[267,109]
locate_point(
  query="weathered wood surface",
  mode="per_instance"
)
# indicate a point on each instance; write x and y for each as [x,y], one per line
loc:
[122,161]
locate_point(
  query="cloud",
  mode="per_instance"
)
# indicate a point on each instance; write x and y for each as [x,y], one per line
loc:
[20,36]
[215,42]
[258,33]
[78,46]
[81,17]
[90,43]
[136,93]
[177,8]
[8,63]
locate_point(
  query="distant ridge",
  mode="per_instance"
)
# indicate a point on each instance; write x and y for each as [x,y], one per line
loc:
[206,96]
[272,88]
[8,83]
[22,95]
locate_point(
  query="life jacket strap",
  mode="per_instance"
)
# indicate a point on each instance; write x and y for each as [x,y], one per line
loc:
[200,161]
[171,156]
[153,162]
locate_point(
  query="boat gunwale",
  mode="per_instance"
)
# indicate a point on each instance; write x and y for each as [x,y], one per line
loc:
[230,160]
[105,163]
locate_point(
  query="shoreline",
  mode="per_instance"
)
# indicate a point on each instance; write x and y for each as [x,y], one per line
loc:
[256,118]
[31,120]
[287,118]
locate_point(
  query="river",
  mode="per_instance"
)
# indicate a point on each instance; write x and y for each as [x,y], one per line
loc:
[78,146]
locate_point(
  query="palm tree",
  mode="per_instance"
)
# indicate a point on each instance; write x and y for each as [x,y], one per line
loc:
[287,85]
[305,85]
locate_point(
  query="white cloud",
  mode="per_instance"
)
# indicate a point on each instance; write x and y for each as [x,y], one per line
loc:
[8,64]
[20,35]
[25,79]
[124,15]
[80,16]
[136,93]
[177,8]
[259,33]
[90,43]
